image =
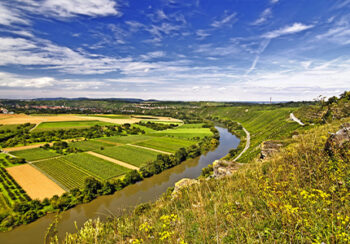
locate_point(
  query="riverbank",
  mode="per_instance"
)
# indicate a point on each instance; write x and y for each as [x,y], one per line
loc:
[147,190]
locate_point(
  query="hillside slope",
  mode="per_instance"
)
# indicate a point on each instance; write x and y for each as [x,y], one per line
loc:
[301,194]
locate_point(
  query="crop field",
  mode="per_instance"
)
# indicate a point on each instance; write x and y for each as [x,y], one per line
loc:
[96,166]
[186,133]
[36,184]
[146,129]
[129,154]
[166,144]
[63,172]
[89,145]
[35,154]
[45,126]
[111,116]
[7,119]
[200,125]
[127,139]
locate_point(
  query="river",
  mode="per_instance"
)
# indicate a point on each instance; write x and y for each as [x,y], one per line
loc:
[147,190]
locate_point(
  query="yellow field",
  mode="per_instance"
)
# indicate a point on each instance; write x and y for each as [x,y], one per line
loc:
[7,119]
[36,184]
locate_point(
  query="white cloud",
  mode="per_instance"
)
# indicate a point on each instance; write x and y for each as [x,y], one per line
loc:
[295,28]
[202,34]
[71,8]
[223,21]
[8,17]
[339,33]
[10,80]
[263,17]
[274,1]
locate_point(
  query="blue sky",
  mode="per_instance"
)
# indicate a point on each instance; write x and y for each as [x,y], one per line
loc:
[245,50]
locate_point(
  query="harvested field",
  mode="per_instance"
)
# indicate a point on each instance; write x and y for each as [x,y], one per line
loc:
[6,119]
[36,184]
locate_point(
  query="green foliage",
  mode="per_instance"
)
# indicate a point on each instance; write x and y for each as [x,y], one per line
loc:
[64,125]
[157,126]
[63,172]
[298,196]
[35,154]
[129,154]
[166,144]
[96,166]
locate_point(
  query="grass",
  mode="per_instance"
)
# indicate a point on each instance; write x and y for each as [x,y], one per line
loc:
[89,145]
[63,172]
[127,139]
[111,116]
[45,126]
[185,133]
[8,127]
[129,154]
[300,195]
[35,154]
[96,166]
[144,128]
[166,144]
[263,122]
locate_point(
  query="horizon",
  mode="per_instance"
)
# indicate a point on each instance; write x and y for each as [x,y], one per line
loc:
[167,50]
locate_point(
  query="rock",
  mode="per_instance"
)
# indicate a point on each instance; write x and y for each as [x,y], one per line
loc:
[224,168]
[183,183]
[336,141]
[268,148]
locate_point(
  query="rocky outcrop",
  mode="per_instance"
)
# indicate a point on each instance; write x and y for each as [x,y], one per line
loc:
[268,148]
[183,183]
[224,168]
[338,140]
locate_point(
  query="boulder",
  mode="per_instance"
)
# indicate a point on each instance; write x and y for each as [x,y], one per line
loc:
[222,168]
[268,148]
[336,141]
[183,183]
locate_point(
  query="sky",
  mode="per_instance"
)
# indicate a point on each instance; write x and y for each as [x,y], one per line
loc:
[223,50]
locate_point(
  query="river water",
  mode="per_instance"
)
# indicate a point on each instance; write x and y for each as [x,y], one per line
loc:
[147,190]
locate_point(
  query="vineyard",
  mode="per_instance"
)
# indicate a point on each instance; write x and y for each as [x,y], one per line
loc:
[63,172]
[166,144]
[184,133]
[11,191]
[97,167]
[132,155]
[127,139]
[35,154]
[89,145]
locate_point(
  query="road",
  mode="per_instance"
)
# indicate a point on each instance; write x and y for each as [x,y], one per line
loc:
[247,144]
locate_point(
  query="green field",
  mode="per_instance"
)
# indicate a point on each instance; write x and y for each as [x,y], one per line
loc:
[35,154]
[63,172]
[96,166]
[200,125]
[129,154]
[45,126]
[8,127]
[144,128]
[166,144]
[112,116]
[89,145]
[186,133]
[127,139]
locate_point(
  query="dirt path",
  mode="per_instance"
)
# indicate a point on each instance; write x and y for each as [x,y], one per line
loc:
[247,144]
[126,165]
[32,129]
[151,149]
[295,119]
[110,142]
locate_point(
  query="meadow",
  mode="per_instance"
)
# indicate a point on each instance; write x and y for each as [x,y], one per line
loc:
[166,144]
[35,154]
[45,126]
[184,133]
[89,145]
[129,154]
